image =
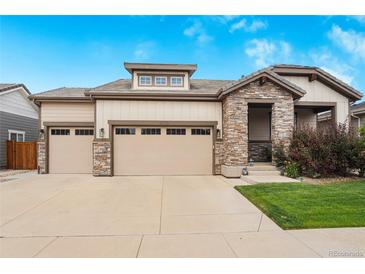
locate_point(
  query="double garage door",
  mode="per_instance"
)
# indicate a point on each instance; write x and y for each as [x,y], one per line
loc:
[136,150]
[163,151]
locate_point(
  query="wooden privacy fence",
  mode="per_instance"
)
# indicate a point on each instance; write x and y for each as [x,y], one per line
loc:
[21,155]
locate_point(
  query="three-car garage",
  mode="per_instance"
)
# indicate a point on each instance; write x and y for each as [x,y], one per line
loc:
[136,150]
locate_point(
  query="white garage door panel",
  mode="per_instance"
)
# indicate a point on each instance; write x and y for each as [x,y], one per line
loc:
[70,153]
[163,154]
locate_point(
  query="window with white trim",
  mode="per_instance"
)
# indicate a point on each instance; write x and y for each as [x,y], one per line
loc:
[160,80]
[145,80]
[176,81]
[16,135]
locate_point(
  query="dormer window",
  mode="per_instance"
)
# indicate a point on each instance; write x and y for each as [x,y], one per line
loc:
[176,81]
[161,81]
[145,80]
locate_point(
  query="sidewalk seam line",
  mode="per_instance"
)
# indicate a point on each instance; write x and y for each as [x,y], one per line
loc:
[30,209]
[139,247]
[47,245]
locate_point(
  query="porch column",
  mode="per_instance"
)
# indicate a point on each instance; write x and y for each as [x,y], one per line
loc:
[235,135]
[282,123]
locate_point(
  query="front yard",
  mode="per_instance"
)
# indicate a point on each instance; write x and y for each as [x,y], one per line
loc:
[300,205]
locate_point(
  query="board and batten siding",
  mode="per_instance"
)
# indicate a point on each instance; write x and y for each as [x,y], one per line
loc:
[155,110]
[318,92]
[67,112]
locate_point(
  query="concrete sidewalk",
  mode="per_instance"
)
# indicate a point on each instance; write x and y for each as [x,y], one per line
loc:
[175,216]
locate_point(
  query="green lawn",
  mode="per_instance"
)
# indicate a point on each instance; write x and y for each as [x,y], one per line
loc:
[300,205]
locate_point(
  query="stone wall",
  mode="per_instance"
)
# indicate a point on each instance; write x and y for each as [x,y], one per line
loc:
[102,164]
[41,157]
[235,119]
[259,152]
[218,156]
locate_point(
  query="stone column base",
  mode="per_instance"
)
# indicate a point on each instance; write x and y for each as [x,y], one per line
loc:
[102,164]
[41,157]
[232,171]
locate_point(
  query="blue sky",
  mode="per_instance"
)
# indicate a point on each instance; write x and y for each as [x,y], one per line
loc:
[46,52]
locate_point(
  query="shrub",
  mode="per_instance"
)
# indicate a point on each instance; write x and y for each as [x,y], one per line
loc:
[292,170]
[280,157]
[334,150]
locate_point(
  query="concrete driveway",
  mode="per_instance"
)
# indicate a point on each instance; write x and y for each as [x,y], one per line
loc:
[174,216]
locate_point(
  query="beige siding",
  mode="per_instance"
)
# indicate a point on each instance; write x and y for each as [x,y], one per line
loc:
[156,110]
[362,119]
[318,92]
[67,112]
[306,117]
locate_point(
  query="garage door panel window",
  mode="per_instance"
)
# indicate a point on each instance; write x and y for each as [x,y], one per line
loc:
[176,131]
[60,132]
[151,131]
[200,131]
[84,132]
[125,131]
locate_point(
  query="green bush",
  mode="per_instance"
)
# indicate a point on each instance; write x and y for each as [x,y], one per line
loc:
[280,157]
[292,170]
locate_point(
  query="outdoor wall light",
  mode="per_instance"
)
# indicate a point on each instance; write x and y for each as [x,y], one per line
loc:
[218,133]
[101,133]
[41,134]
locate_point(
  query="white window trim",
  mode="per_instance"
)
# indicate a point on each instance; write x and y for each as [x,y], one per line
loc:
[17,132]
[160,77]
[175,85]
[139,80]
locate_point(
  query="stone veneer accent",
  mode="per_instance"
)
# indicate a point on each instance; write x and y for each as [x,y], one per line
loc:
[259,152]
[218,156]
[41,157]
[235,121]
[102,164]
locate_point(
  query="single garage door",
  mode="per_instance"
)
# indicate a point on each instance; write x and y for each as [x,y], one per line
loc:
[70,150]
[163,151]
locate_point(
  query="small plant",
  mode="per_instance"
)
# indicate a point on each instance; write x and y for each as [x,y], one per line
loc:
[280,156]
[292,170]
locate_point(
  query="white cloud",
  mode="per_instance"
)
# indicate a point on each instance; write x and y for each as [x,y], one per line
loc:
[204,38]
[224,19]
[238,25]
[324,59]
[266,52]
[197,32]
[144,50]
[256,25]
[244,25]
[194,29]
[350,41]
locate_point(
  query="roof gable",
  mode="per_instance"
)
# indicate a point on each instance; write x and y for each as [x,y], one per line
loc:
[263,75]
[315,73]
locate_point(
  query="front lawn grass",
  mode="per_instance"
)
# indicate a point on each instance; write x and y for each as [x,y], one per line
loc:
[300,205]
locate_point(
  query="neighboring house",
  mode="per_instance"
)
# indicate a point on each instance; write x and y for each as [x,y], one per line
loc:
[358,115]
[18,117]
[163,122]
